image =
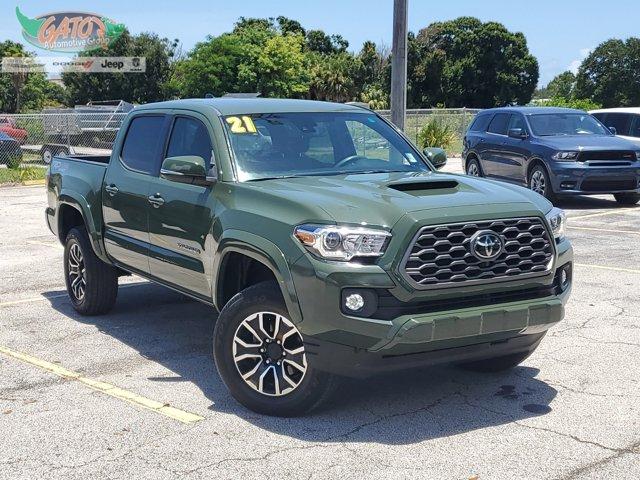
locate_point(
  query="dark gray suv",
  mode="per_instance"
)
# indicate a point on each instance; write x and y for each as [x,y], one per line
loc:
[554,151]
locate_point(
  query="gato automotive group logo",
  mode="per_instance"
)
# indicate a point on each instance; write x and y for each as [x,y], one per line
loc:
[69,31]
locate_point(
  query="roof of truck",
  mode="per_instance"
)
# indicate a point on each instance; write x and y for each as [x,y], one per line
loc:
[242,106]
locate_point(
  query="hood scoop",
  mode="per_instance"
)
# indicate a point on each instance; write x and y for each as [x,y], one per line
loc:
[424,186]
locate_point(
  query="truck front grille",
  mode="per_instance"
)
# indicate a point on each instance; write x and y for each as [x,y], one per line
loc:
[440,255]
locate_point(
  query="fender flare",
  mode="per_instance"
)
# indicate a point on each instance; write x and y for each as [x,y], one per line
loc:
[79,203]
[263,251]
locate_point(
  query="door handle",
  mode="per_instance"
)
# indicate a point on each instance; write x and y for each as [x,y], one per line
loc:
[156,200]
[111,190]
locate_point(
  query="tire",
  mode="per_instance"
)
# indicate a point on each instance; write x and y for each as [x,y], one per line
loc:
[100,280]
[497,364]
[265,357]
[474,169]
[539,182]
[627,198]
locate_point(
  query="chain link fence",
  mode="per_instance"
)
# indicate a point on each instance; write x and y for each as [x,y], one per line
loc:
[458,119]
[31,140]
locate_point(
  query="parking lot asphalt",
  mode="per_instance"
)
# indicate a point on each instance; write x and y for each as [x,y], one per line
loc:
[89,397]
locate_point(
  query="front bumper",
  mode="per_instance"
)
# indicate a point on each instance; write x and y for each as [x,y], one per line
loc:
[587,178]
[358,346]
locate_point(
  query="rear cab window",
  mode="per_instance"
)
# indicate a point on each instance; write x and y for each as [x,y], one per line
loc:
[141,145]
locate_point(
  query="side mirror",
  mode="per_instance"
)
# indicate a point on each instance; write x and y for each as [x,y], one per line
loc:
[613,130]
[437,156]
[187,169]
[518,133]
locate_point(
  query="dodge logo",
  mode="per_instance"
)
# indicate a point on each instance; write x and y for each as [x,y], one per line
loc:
[486,245]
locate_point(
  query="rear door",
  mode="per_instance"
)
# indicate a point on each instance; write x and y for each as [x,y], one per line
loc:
[180,222]
[125,191]
[494,150]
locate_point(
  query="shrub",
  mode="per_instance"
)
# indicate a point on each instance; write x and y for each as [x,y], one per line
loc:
[436,133]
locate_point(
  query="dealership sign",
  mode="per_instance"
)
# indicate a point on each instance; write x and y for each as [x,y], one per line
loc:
[69,31]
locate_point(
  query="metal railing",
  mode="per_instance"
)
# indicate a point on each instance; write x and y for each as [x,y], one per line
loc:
[36,138]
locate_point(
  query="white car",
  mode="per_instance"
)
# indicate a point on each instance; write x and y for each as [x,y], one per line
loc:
[626,121]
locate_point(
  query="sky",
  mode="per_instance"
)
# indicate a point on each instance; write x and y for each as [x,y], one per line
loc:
[559,33]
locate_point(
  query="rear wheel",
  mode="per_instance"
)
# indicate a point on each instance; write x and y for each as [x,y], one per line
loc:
[473,168]
[627,198]
[539,182]
[92,284]
[260,355]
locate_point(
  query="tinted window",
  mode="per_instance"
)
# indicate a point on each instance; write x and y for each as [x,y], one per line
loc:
[620,121]
[517,121]
[480,123]
[553,124]
[140,149]
[499,123]
[189,137]
[635,127]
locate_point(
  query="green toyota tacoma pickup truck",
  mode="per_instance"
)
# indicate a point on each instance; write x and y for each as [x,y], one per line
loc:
[329,245]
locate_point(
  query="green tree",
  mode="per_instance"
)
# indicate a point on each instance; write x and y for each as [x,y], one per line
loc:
[562,85]
[320,42]
[255,57]
[150,86]
[466,62]
[332,77]
[610,75]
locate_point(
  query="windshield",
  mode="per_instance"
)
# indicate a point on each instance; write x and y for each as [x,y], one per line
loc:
[277,145]
[550,124]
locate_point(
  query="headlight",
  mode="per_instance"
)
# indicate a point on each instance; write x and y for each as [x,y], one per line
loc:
[342,243]
[558,221]
[565,156]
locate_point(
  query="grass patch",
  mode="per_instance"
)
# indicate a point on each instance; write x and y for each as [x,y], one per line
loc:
[10,176]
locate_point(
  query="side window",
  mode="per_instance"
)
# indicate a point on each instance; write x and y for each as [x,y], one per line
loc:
[499,123]
[602,117]
[140,149]
[635,127]
[189,137]
[620,121]
[480,123]
[517,121]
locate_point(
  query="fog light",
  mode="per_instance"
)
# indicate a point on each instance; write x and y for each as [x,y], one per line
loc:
[354,302]
[563,278]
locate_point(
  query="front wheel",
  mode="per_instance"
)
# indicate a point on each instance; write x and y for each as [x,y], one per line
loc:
[260,355]
[473,168]
[92,284]
[540,183]
[627,198]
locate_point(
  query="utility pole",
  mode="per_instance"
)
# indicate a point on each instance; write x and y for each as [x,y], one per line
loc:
[399,64]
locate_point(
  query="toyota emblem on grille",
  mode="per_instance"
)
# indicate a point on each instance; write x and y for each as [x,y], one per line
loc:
[486,245]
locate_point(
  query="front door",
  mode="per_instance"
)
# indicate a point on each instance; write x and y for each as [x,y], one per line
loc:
[515,152]
[125,192]
[180,221]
